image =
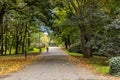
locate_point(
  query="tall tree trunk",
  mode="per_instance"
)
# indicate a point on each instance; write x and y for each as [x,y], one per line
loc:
[65,42]
[17,43]
[84,36]
[2,13]
[23,47]
[29,41]
[20,41]
[6,43]
[10,49]
[86,49]
[68,40]
[91,23]
[24,43]
[2,49]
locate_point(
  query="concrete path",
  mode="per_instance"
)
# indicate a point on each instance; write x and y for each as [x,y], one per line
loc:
[53,65]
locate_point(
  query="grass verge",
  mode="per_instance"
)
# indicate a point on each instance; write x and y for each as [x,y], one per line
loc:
[97,64]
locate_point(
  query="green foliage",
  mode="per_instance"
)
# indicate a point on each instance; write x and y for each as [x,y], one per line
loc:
[75,48]
[106,40]
[115,66]
[73,53]
[98,63]
[103,69]
[31,48]
[21,20]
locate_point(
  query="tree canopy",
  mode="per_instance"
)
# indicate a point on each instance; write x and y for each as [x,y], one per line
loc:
[93,24]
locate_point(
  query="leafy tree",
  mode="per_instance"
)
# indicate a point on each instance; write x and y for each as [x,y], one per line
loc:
[18,20]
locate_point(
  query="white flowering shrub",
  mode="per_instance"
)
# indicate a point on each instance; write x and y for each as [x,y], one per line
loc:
[115,66]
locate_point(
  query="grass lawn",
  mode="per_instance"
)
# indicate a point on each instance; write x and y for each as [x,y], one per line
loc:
[35,50]
[100,64]
[97,63]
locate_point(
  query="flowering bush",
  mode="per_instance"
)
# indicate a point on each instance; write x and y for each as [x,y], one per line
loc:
[115,66]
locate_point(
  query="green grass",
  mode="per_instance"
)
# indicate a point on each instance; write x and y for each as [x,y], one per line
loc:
[35,50]
[12,51]
[103,69]
[43,49]
[73,54]
[98,63]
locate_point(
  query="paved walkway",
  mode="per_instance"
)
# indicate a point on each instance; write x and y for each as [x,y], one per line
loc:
[53,65]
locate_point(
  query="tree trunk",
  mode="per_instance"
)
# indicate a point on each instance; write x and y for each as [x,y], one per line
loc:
[66,46]
[23,47]
[86,49]
[17,43]
[29,41]
[2,13]
[10,49]
[6,43]
[24,43]
[68,40]
[91,23]
[2,49]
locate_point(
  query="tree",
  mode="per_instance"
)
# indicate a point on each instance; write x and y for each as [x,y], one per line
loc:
[19,19]
[82,16]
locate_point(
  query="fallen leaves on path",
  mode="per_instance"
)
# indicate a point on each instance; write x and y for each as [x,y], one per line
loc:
[13,64]
[80,61]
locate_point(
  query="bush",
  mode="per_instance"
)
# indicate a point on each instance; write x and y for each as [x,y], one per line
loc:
[31,48]
[115,66]
[75,48]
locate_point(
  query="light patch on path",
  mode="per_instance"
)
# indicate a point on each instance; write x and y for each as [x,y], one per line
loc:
[53,65]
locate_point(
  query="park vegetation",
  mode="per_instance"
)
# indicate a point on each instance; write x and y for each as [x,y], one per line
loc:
[88,27]
[20,26]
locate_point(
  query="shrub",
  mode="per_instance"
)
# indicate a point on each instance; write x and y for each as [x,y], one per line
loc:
[75,48]
[31,48]
[115,66]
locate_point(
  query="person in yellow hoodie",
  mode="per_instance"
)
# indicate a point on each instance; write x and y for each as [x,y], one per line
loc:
[47,48]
